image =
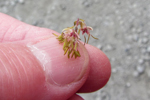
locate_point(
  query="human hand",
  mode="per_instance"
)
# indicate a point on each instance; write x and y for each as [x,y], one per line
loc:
[33,67]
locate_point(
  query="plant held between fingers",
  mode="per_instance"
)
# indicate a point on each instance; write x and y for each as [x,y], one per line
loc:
[70,38]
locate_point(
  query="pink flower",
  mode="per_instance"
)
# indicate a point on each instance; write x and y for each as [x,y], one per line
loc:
[70,34]
[86,29]
[70,38]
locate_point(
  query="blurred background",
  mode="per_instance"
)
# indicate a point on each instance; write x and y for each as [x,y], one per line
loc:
[123,29]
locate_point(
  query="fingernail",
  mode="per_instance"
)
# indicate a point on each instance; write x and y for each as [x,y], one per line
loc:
[59,70]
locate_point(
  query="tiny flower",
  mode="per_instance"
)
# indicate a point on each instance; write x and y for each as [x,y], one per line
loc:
[70,38]
[70,33]
[84,29]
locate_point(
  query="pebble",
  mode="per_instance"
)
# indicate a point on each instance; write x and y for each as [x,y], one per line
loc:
[139,30]
[99,46]
[143,50]
[135,74]
[140,61]
[114,70]
[128,84]
[140,69]
[145,33]
[87,3]
[105,96]
[148,92]
[35,23]
[144,40]
[6,3]
[148,73]
[4,9]
[63,7]
[148,49]
[18,17]
[146,58]
[127,48]
[12,3]
[135,37]
[117,2]
[113,59]
[21,1]
[108,47]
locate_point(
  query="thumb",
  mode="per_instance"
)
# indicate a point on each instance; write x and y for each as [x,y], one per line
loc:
[39,71]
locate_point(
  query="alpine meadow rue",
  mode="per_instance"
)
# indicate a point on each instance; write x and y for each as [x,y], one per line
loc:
[70,38]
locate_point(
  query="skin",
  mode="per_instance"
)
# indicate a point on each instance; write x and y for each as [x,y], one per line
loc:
[26,75]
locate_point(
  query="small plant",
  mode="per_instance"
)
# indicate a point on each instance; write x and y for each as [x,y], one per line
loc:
[70,37]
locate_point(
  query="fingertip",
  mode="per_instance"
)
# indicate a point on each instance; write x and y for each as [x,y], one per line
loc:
[100,70]
[76,97]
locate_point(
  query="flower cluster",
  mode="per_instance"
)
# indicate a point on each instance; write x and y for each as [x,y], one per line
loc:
[70,37]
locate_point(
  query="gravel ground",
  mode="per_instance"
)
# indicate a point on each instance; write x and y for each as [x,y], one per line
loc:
[123,29]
